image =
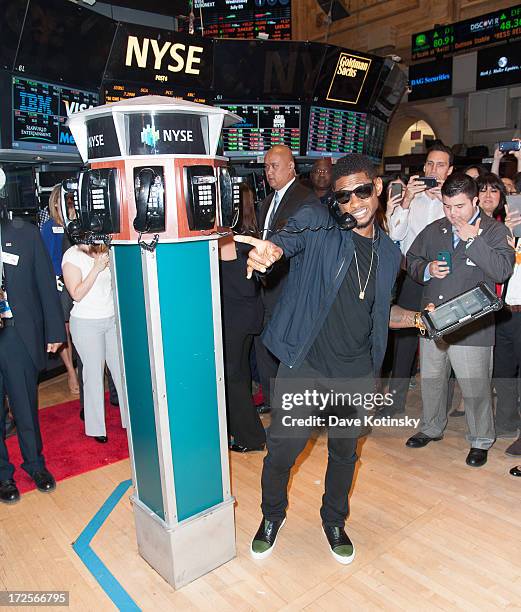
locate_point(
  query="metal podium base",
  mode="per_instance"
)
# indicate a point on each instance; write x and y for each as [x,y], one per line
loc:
[189,549]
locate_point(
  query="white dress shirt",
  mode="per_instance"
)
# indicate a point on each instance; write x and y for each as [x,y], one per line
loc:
[281,193]
[406,223]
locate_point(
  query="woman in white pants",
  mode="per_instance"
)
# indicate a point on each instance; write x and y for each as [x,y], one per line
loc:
[93,329]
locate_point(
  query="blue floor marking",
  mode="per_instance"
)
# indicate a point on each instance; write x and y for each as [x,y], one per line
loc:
[120,598]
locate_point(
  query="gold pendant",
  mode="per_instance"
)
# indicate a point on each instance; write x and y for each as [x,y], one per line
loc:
[361,295]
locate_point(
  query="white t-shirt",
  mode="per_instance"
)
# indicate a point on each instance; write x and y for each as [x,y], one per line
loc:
[406,223]
[99,302]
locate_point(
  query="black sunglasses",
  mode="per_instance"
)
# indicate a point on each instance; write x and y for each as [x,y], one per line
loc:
[362,192]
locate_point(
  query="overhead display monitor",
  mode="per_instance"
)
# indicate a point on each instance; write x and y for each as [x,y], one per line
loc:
[499,66]
[496,26]
[347,79]
[241,18]
[334,133]
[257,70]
[64,43]
[263,126]
[39,114]
[13,14]
[160,57]
[430,80]
[391,86]
[374,139]
[115,92]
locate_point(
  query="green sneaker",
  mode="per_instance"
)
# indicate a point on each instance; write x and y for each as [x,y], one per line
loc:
[341,546]
[264,541]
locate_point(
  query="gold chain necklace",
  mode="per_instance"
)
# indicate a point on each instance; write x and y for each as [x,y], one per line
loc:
[361,295]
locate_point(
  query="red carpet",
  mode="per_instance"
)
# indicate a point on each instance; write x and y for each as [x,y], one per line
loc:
[67,450]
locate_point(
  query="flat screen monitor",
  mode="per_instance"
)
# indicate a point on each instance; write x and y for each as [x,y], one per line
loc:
[39,114]
[13,14]
[334,132]
[241,18]
[65,43]
[20,189]
[255,70]
[117,91]
[374,140]
[499,66]
[430,80]
[347,79]
[391,86]
[263,126]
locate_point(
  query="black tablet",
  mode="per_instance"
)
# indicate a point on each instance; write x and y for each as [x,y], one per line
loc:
[460,310]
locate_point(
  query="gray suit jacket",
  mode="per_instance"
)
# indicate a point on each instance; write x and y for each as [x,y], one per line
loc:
[487,259]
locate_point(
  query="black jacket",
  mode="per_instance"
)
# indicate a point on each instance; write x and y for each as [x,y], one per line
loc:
[296,196]
[319,260]
[31,289]
[487,259]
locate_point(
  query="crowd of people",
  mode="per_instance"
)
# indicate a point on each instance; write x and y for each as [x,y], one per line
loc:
[331,266]
[319,330]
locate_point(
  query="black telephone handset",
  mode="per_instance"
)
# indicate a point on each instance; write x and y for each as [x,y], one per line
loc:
[149,193]
[345,221]
[99,201]
[230,197]
[200,196]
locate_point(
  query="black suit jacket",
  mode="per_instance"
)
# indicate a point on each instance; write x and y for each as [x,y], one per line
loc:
[295,196]
[31,289]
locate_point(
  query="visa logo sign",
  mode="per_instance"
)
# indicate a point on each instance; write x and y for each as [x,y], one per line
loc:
[75,107]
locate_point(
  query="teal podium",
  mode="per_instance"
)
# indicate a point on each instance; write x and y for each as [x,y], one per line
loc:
[157,186]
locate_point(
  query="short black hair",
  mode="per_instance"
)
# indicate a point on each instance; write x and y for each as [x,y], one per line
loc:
[457,183]
[439,146]
[352,164]
[479,167]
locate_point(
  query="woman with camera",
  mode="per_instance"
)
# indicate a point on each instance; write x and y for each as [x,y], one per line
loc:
[93,328]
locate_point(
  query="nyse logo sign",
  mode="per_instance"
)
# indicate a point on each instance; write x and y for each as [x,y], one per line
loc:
[175,57]
[165,134]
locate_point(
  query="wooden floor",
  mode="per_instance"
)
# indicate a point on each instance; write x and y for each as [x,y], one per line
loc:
[430,533]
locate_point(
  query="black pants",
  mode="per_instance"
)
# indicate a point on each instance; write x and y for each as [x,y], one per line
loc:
[405,343]
[507,362]
[283,452]
[244,423]
[267,363]
[19,380]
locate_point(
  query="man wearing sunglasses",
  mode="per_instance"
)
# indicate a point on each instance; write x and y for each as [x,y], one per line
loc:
[329,331]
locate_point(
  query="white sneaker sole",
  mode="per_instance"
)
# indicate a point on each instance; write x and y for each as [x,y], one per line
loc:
[267,553]
[340,558]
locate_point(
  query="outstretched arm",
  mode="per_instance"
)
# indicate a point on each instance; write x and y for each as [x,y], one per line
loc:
[263,255]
